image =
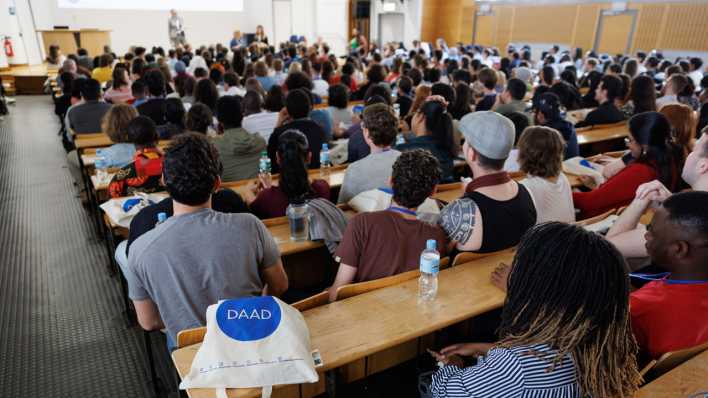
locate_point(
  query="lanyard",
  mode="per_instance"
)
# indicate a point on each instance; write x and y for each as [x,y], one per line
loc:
[664,277]
[402,210]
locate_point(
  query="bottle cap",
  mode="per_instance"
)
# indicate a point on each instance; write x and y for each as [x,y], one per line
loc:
[325,146]
[264,154]
[161,217]
[431,244]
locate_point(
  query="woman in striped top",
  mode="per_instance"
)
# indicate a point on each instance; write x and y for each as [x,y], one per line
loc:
[565,328]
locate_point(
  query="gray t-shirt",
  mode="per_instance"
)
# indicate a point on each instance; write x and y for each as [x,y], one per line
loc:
[371,172]
[194,260]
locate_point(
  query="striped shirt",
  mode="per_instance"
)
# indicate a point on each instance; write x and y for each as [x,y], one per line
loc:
[510,373]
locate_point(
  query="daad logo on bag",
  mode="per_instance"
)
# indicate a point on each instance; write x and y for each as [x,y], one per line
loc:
[248,319]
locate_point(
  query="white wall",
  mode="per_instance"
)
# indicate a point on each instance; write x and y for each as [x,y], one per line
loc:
[310,18]
[148,28]
[412,11]
[21,31]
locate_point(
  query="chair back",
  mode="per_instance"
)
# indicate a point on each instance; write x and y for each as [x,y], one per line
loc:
[354,289]
[189,337]
[312,302]
[670,360]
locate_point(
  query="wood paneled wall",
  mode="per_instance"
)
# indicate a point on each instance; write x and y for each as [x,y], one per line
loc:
[668,26]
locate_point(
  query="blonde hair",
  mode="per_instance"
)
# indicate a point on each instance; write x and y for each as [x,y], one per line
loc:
[115,122]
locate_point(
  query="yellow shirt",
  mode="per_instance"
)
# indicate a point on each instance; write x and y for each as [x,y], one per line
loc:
[102,74]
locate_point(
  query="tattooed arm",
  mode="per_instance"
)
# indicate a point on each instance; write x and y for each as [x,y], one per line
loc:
[462,223]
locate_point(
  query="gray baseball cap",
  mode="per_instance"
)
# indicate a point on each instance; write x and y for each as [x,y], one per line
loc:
[489,133]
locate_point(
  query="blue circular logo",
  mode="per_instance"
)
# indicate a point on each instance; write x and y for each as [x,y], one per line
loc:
[248,319]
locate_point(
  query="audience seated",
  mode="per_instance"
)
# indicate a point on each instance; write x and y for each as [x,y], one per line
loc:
[670,312]
[432,129]
[541,158]
[547,112]
[357,148]
[556,339]
[683,125]
[495,211]
[488,78]
[199,119]
[154,106]
[338,101]
[144,172]
[256,119]
[185,264]
[607,91]
[175,117]
[373,171]
[655,157]
[85,117]
[642,96]
[675,85]
[268,200]
[239,150]
[103,73]
[627,233]
[395,234]
[295,116]
[512,99]
[115,125]
[120,92]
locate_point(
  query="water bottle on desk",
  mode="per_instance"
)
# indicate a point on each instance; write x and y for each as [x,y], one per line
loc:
[101,165]
[299,219]
[325,163]
[264,164]
[429,268]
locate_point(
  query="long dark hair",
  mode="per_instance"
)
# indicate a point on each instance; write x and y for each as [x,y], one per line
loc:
[294,181]
[642,93]
[439,123]
[463,100]
[568,289]
[119,79]
[652,130]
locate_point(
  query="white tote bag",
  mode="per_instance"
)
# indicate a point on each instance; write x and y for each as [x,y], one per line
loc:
[252,342]
[381,199]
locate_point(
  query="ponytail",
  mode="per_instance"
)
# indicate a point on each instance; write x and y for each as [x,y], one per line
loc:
[439,122]
[294,181]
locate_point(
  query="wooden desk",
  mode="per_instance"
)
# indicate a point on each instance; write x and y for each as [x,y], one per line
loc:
[352,329]
[602,133]
[689,378]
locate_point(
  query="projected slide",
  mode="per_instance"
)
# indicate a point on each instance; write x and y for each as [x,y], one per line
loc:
[180,5]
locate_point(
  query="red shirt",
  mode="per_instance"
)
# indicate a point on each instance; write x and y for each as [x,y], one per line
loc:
[669,316]
[616,192]
[272,202]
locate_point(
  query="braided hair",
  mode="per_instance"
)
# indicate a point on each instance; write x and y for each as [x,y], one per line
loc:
[568,289]
[292,151]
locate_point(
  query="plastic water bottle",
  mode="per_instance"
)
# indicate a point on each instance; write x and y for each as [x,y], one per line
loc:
[264,164]
[161,217]
[325,163]
[429,268]
[298,214]
[101,166]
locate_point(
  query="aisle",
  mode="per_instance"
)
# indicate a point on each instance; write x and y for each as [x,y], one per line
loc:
[61,332]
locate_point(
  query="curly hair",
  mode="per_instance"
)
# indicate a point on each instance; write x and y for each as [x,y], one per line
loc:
[541,152]
[190,168]
[199,118]
[415,175]
[382,124]
[115,122]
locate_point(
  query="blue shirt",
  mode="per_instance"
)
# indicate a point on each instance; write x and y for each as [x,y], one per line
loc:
[266,81]
[510,373]
[324,119]
[118,155]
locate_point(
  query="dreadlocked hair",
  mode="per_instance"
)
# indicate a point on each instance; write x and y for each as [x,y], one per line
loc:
[568,289]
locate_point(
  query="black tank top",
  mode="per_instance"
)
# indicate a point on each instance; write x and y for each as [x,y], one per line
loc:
[504,222]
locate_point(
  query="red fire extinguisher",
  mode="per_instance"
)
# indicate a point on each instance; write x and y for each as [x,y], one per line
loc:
[7,45]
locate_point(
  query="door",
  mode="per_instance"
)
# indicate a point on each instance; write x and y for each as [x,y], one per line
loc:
[391,28]
[484,30]
[282,21]
[614,32]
